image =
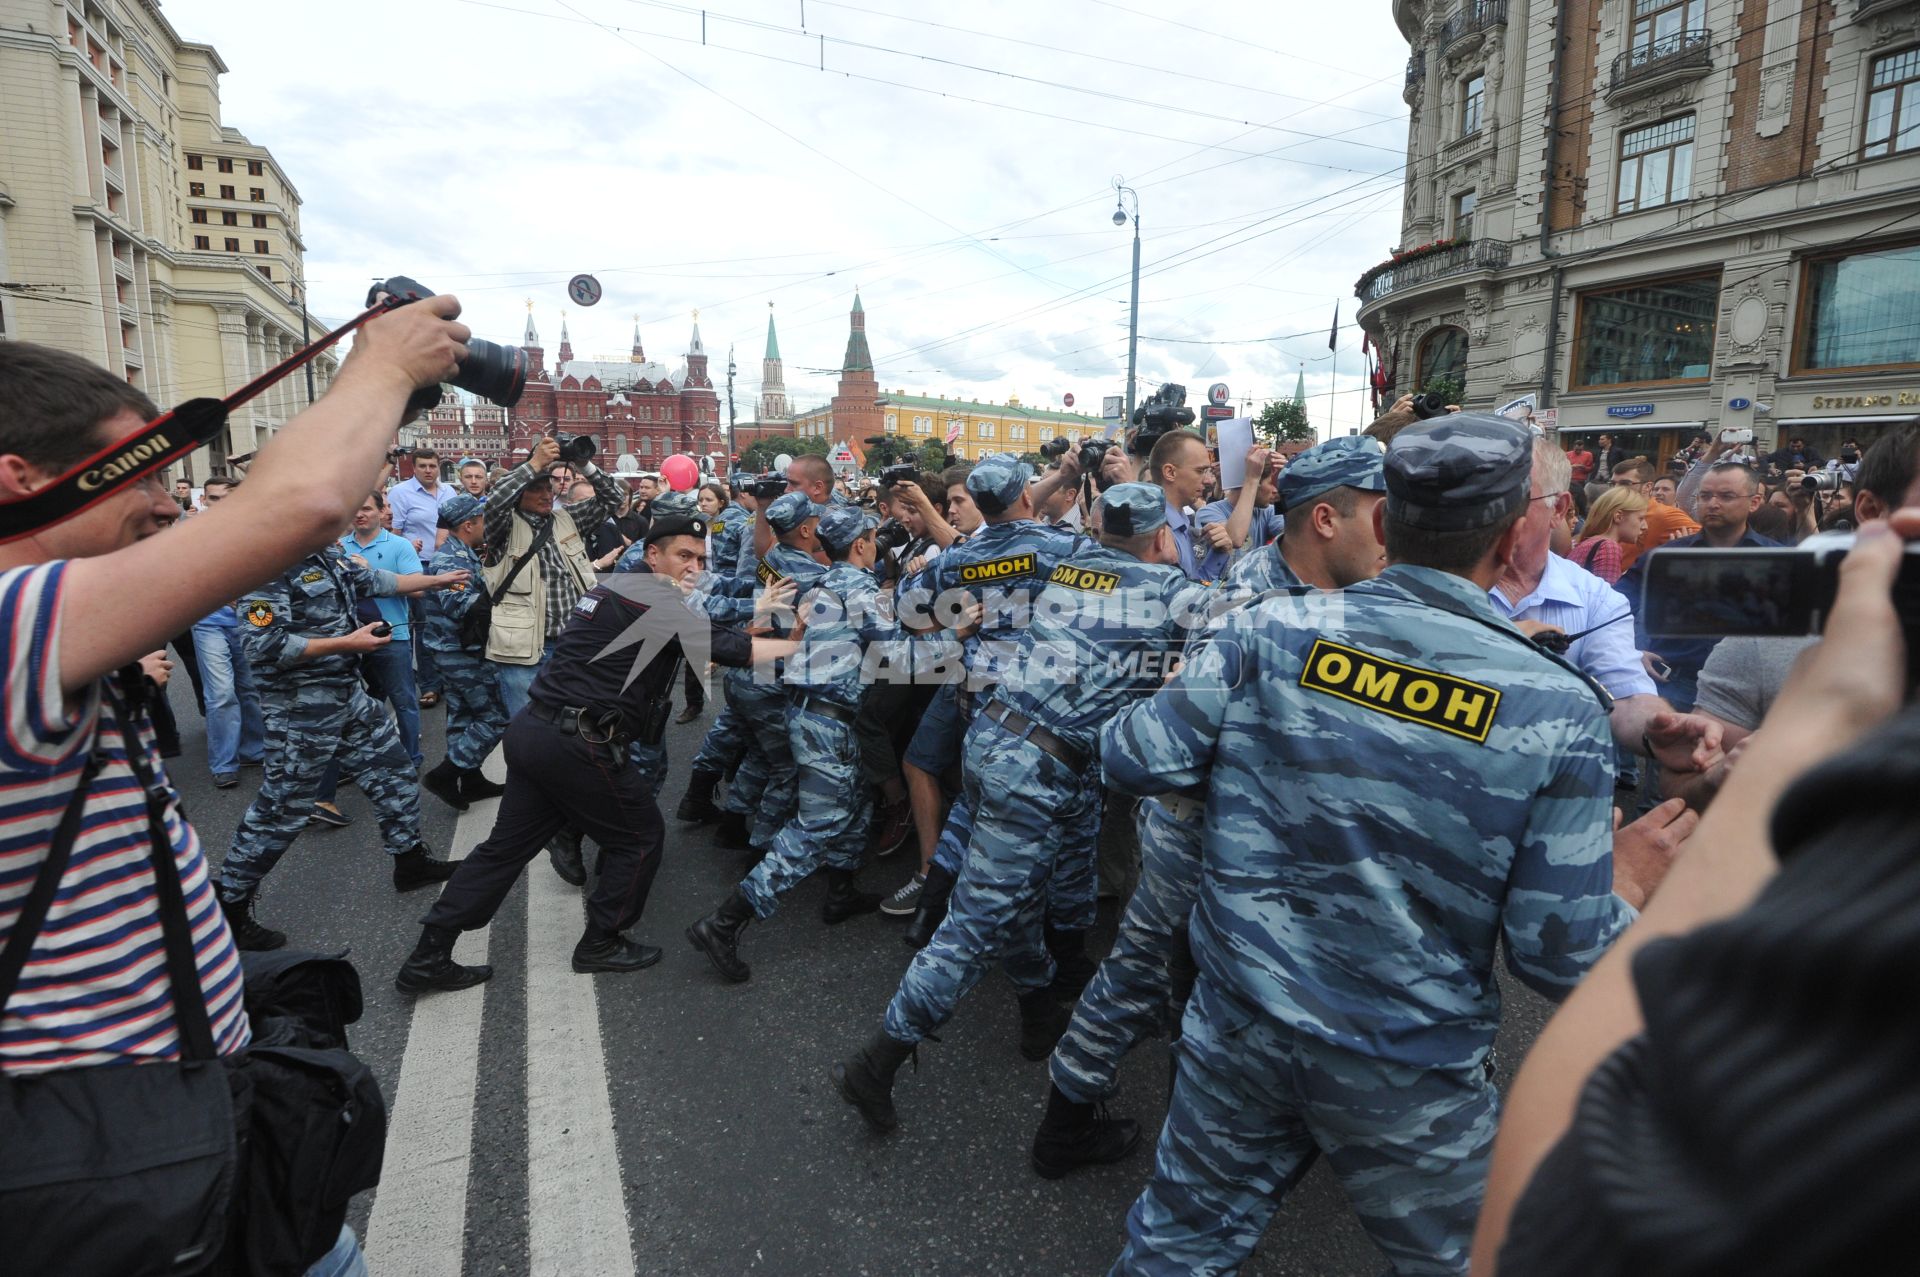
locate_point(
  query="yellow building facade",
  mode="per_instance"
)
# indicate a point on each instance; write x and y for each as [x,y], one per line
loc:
[136,229]
[982,428]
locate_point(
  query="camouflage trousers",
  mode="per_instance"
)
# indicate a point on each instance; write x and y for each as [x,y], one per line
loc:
[1024,800]
[308,731]
[749,779]
[725,743]
[834,804]
[764,788]
[476,714]
[1255,1102]
[651,762]
[1073,887]
[1131,996]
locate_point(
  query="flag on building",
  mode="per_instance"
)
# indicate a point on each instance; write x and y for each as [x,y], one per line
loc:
[1333,337]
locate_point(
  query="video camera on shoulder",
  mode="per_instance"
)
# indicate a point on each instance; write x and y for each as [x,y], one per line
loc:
[1165,409]
[768,486]
[1760,591]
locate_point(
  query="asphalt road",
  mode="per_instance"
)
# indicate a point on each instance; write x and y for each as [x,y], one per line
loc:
[668,1123]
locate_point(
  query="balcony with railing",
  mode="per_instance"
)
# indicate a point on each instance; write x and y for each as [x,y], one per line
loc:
[1472,20]
[1409,270]
[1648,65]
[1416,73]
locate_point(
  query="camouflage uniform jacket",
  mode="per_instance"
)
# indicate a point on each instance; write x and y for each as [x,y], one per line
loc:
[445,608]
[1391,788]
[847,614]
[731,524]
[1006,566]
[312,599]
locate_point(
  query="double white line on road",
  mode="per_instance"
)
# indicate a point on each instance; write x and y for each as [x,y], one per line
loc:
[577,1211]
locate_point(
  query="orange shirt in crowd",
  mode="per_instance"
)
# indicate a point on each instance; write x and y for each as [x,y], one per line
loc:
[1664,523]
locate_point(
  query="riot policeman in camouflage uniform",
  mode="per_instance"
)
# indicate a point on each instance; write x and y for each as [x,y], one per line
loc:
[845,620]
[303,645]
[1099,636]
[476,714]
[1329,494]
[726,740]
[1388,795]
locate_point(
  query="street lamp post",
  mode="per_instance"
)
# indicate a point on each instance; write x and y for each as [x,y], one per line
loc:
[1121,192]
[732,418]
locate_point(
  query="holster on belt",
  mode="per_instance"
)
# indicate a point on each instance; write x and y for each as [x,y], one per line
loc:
[652,727]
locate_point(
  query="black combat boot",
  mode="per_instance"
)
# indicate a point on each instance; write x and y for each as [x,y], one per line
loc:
[474,786]
[564,848]
[1073,969]
[697,805]
[417,868]
[431,967]
[611,951]
[844,900]
[1073,1135]
[932,910]
[1043,1018]
[248,934]
[866,1080]
[718,936]
[443,782]
[733,832]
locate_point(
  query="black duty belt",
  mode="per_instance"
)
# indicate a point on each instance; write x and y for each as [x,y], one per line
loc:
[1020,725]
[826,708]
[596,727]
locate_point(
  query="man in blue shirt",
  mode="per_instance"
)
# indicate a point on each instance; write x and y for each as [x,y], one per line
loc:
[416,506]
[391,667]
[1183,468]
[1247,516]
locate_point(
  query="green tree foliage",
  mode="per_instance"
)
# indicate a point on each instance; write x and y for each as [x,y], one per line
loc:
[1283,421]
[757,457]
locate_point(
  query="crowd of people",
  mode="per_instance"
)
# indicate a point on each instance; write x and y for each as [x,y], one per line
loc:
[1329,740]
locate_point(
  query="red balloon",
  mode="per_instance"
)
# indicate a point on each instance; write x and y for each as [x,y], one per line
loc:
[680,471]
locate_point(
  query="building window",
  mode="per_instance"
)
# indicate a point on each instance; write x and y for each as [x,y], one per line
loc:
[197,188]
[1893,105]
[646,445]
[226,164]
[893,422]
[1860,311]
[195,163]
[201,242]
[1443,356]
[267,271]
[260,221]
[983,430]
[256,195]
[233,245]
[261,246]
[256,167]
[1016,430]
[226,192]
[198,215]
[1658,331]
[923,425]
[1660,27]
[1473,102]
[1656,165]
[229,219]
[1463,215]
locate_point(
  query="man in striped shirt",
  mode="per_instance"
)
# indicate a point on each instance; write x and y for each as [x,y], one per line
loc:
[88,595]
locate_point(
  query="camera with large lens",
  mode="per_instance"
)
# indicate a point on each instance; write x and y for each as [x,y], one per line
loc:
[892,535]
[1429,405]
[768,486]
[1165,409]
[905,472]
[494,372]
[575,450]
[1056,448]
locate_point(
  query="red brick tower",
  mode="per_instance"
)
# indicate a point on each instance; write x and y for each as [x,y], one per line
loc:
[856,404]
[699,404]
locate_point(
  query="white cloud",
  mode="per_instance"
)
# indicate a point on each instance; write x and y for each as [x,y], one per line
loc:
[493,150]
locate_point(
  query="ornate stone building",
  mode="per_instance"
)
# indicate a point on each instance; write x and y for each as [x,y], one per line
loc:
[1662,215]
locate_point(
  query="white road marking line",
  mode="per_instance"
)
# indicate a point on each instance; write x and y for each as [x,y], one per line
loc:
[578,1212]
[420,1211]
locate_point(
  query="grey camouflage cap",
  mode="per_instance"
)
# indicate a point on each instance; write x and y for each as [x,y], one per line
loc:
[1456,473]
[792,509]
[1000,477]
[676,505]
[841,526]
[1132,509]
[460,507]
[1350,461]
[737,482]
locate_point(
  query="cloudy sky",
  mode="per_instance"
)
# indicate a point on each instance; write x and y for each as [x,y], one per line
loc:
[953,161]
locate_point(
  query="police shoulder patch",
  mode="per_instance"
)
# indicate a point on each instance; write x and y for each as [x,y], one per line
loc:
[767,574]
[1431,699]
[997,569]
[258,613]
[309,577]
[587,605]
[1084,579]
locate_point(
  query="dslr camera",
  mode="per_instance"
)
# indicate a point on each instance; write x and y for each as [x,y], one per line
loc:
[1761,591]
[494,372]
[905,472]
[1165,409]
[1428,406]
[892,535]
[575,450]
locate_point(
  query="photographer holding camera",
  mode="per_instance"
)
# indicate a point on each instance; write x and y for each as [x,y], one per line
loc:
[532,600]
[86,594]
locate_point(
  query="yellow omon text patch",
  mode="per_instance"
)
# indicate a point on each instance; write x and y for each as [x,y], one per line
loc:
[1453,705]
[1084,579]
[768,576]
[997,569]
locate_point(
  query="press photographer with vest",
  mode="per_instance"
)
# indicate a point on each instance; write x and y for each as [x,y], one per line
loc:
[86,593]
[547,539]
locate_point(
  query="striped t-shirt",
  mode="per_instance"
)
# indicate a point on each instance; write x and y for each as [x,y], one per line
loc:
[95,988]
